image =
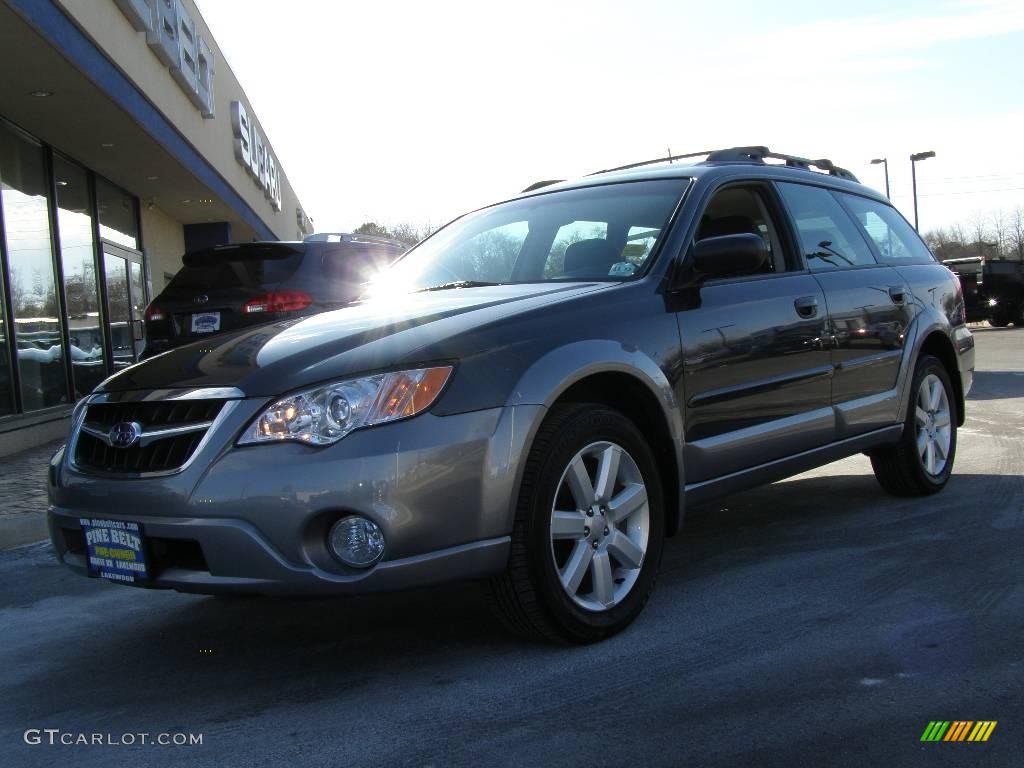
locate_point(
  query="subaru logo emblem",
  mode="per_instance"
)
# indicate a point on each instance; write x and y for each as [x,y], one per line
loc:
[125,434]
[201,299]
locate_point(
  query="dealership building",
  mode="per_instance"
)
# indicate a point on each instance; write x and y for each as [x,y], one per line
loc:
[125,141]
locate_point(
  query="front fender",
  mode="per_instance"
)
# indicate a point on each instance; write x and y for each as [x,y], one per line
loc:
[551,375]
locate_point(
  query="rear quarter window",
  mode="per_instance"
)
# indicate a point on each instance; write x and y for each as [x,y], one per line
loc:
[895,240]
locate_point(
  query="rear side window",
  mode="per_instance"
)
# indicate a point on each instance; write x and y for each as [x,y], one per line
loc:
[895,239]
[828,237]
[245,267]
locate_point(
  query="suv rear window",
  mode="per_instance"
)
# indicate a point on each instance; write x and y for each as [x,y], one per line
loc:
[236,267]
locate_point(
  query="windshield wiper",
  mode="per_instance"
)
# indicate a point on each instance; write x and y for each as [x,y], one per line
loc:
[456,284]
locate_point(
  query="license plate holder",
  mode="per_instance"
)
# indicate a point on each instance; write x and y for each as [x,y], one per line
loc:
[205,322]
[115,550]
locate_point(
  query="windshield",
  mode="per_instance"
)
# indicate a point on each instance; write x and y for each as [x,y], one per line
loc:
[595,233]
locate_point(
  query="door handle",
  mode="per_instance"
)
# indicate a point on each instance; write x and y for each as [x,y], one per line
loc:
[806,306]
[898,294]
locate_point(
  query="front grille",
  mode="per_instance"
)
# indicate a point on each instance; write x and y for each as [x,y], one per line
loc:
[92,453]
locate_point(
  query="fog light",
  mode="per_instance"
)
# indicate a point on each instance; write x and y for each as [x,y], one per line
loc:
[356,541]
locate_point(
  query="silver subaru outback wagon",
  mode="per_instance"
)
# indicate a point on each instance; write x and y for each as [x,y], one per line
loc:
[533,396]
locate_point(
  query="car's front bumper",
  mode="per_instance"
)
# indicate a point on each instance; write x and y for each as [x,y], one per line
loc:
[256,518]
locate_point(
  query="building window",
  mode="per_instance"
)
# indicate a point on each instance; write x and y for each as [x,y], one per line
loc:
[6,383]
[119,214]
[81,288]
[39,345]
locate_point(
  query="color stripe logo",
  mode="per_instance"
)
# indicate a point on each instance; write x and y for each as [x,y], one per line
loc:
[958,730]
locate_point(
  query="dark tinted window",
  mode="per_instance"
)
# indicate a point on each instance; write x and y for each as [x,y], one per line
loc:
[896,240]
[242,267]
[827,235]
[742,211]
[355,262]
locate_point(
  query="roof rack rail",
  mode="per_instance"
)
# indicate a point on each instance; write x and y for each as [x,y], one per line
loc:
[758,154]
[655,161]
[742,155]
[541,184]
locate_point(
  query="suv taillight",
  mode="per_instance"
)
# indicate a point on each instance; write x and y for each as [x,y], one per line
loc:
[278,301]
[154,314]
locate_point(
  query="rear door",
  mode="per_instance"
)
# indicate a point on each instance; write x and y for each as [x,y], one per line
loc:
[756,370]
[870,306]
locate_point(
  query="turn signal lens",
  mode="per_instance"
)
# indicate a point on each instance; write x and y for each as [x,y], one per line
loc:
[278,301]
[325,414]
[409,392]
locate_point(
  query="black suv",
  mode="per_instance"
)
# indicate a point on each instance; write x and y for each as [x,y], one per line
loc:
[235,286]
[534,395]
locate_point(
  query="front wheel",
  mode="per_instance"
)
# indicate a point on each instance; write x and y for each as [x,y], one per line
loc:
[588,532]
[922,461]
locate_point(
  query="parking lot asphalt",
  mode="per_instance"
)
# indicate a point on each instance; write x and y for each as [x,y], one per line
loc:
[812,622]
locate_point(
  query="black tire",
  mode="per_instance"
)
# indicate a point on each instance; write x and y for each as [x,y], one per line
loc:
[1000,317]
[528,597]
[899,468]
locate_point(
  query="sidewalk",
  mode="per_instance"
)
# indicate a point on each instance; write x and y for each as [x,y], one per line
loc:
[23,496]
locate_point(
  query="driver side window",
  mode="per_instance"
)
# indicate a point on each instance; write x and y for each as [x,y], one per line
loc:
[742,211]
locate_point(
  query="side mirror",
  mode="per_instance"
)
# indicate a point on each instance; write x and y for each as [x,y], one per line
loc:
[729,255]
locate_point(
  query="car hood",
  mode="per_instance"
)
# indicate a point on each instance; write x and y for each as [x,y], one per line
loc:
[370,335]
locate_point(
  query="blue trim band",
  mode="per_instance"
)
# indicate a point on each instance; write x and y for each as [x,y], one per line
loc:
[62,33]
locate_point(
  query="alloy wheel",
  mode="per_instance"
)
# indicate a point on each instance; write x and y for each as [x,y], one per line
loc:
[600,526]
[933,421]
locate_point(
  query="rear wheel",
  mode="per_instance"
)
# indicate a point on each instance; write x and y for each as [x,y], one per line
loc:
[588,532]
[1000,317]
[922,461]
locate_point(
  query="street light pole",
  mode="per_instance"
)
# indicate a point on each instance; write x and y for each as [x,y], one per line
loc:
[885,163]
[914,159]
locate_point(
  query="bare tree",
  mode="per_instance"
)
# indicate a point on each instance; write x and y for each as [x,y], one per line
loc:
[979,233]
[404,231]
[1000,232]
[1015,244]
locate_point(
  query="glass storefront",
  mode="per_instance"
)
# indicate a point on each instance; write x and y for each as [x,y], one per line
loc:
[35,314]
[81,288]
[58,339]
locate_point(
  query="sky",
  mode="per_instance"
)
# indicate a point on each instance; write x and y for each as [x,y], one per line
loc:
[418,112]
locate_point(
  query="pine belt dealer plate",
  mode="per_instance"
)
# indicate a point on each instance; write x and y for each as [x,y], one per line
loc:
[205,322]
[115,550]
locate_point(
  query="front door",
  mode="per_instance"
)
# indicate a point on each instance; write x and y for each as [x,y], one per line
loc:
[125,303]
[756,365]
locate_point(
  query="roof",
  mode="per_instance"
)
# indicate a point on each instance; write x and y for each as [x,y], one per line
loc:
[716,170]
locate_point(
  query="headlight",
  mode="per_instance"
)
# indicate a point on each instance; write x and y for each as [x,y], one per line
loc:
[992,302]
[325,414]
